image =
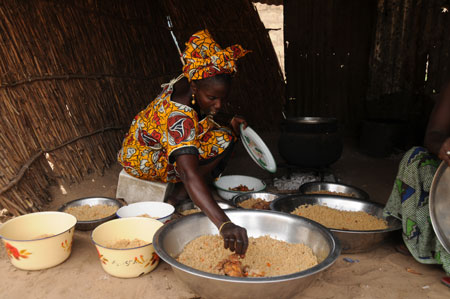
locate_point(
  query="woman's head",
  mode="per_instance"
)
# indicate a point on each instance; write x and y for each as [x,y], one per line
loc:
[204,58]
[211,93]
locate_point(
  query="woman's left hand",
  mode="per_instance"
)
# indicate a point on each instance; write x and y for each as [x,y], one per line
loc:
[444,151]
[236,122]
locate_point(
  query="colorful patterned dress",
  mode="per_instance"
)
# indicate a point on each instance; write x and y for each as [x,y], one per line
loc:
[409,203]
[164,128]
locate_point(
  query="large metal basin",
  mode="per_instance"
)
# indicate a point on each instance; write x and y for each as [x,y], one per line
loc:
[352,241]
[170,240]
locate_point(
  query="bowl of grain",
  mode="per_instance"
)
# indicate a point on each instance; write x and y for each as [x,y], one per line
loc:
[254,200]
[230,185]
[285,254]
[124,246]
[359,225]
[91,211]
[38,240]
[335,189]
[160,211]
[188,207]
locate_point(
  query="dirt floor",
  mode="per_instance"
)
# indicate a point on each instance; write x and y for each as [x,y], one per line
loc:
[379,273]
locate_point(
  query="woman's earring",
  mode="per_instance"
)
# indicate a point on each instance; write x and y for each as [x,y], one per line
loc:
[193,99]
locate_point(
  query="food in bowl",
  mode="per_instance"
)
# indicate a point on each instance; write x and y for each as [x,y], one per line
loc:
[88,212]
[255,203]
[38,240]
[126,243]
[339,219]
[190,211]
[136,233]
[241,188]
[224,184]
[151,209]
[331,193]
[265,257]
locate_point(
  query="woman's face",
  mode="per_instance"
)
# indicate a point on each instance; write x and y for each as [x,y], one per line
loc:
[211,95]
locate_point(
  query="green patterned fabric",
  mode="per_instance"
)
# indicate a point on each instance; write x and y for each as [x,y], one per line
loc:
[409,202]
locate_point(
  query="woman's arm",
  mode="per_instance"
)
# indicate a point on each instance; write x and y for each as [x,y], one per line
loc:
[235,237]
[437,136]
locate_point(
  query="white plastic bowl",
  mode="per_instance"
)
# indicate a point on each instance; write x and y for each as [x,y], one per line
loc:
[159,210]
[224,183]
[38,240]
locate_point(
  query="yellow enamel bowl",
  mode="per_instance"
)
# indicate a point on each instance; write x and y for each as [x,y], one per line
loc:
[38,240]
[126,262]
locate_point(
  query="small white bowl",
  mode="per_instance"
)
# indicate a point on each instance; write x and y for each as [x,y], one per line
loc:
[158,210]
[38,240]
[224,183]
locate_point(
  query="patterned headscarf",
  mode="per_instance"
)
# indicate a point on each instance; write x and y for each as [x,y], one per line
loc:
[204,58]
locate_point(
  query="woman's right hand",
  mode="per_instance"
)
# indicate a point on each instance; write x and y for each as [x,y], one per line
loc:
[235,238]
[444,151]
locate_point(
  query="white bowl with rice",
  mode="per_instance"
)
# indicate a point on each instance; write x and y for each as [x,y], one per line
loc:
[229,186]
[91,211]
[160,211]
[124,246]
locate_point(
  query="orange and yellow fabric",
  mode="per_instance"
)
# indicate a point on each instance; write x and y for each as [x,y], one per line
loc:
[160,129]
[204,58]
[166,126]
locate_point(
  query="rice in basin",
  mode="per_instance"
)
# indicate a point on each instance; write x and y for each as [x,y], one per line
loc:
[265,256]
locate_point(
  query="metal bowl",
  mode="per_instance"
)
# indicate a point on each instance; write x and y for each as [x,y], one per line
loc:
[92,201]
[352,241]
[334,187]
[170,240]
[189,205]
[226,182]
[236,200]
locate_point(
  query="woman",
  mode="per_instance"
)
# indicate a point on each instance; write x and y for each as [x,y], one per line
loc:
[176,140]
[409,198]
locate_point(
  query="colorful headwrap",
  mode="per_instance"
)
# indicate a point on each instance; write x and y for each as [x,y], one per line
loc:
[204,58]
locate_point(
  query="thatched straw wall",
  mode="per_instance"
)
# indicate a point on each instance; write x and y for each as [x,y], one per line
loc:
[74,73]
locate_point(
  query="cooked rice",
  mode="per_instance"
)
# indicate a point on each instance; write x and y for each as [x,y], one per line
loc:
[266,256]
[148,216]
[87,212]
[126,243]
[255,203]
[190,211]
[331,193]
[337,219]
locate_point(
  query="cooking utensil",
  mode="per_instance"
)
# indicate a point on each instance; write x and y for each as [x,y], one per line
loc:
[92,201]
[439,204]
[170,240]
[334,187]
[237,199]
[352,241]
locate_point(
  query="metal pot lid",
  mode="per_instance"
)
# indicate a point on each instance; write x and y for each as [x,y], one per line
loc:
[257,149]
[439,205]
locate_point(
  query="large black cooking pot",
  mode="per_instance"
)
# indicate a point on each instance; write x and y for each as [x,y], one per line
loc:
[310,141]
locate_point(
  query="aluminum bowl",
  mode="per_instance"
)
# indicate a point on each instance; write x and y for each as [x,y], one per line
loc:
[189,205]
[352,241]
[236,200]
[92,201]
[334,187]
[170,240]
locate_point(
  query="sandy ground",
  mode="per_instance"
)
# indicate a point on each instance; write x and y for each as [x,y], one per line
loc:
[380,273]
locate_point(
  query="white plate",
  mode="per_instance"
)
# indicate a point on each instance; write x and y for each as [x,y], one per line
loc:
[257,149]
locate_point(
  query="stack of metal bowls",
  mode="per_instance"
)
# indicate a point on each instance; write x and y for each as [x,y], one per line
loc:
[170,240]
